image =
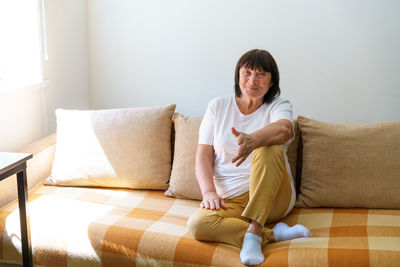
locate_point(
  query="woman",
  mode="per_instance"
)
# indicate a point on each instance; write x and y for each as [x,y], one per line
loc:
[241,163]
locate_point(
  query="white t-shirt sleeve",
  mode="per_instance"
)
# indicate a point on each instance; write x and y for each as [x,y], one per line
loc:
[206,131]
[282,110]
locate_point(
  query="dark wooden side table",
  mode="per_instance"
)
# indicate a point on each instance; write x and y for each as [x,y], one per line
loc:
[15,163]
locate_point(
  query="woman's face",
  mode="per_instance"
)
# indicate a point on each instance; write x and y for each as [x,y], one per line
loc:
[254,83]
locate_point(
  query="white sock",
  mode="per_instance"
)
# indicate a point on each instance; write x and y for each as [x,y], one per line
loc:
[283,232]
[251,253]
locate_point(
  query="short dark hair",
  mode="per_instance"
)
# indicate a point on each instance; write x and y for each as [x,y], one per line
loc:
[260,60]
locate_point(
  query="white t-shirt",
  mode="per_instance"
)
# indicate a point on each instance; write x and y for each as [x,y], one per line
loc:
[223,113]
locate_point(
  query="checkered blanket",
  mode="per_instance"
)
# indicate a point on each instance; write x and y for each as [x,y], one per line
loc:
[103,227]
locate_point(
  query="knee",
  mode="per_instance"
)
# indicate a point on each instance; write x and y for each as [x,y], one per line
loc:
[196,225]
[268,153]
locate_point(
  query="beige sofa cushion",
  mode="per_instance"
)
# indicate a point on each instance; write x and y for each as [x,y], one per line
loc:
[350,165]
[183,182]
[113,148]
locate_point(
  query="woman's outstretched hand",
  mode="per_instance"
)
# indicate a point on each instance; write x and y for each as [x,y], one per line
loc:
[246,146]
[213,201]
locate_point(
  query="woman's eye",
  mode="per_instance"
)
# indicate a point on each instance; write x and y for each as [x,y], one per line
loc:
[260,74]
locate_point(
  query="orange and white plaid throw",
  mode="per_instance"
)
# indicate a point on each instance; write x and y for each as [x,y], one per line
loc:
[72,226]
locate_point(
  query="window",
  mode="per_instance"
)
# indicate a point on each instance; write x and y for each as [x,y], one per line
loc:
[22,52]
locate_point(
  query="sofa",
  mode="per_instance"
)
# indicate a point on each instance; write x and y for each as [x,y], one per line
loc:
[116,188]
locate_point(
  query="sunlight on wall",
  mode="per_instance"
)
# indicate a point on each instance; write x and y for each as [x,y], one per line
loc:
[19,44]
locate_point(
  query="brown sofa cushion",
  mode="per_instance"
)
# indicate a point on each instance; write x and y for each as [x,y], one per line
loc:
[350,165]
[128,148]
[183,182]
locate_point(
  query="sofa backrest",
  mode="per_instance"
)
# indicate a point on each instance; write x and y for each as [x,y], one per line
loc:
[38,168]
[384,187]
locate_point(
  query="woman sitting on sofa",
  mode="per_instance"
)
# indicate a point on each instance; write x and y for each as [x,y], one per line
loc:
[241,163]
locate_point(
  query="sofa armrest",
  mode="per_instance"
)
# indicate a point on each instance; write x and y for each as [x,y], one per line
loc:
[38,168]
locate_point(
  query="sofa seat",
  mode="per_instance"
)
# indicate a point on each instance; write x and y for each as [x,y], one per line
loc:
[78,226]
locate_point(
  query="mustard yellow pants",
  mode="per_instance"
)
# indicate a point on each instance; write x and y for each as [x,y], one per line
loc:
[266,201]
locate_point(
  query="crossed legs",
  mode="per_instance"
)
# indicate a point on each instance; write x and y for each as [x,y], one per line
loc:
[242,224]
[267,200]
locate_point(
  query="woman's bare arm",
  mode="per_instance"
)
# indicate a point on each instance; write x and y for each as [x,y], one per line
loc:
[276,133]
[204,173]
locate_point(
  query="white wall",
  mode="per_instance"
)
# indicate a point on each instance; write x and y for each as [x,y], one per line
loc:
[68,67]
[339,60]
[21,118]
[27,115]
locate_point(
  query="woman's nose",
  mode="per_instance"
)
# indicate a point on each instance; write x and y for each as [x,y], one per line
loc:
[252,79]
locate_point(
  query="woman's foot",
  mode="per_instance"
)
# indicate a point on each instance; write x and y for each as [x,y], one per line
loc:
[251,253]
[283,232]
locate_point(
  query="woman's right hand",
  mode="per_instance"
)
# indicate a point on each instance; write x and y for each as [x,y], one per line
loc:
[213,201]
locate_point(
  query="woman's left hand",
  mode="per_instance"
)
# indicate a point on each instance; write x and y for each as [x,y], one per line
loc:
[246,146]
